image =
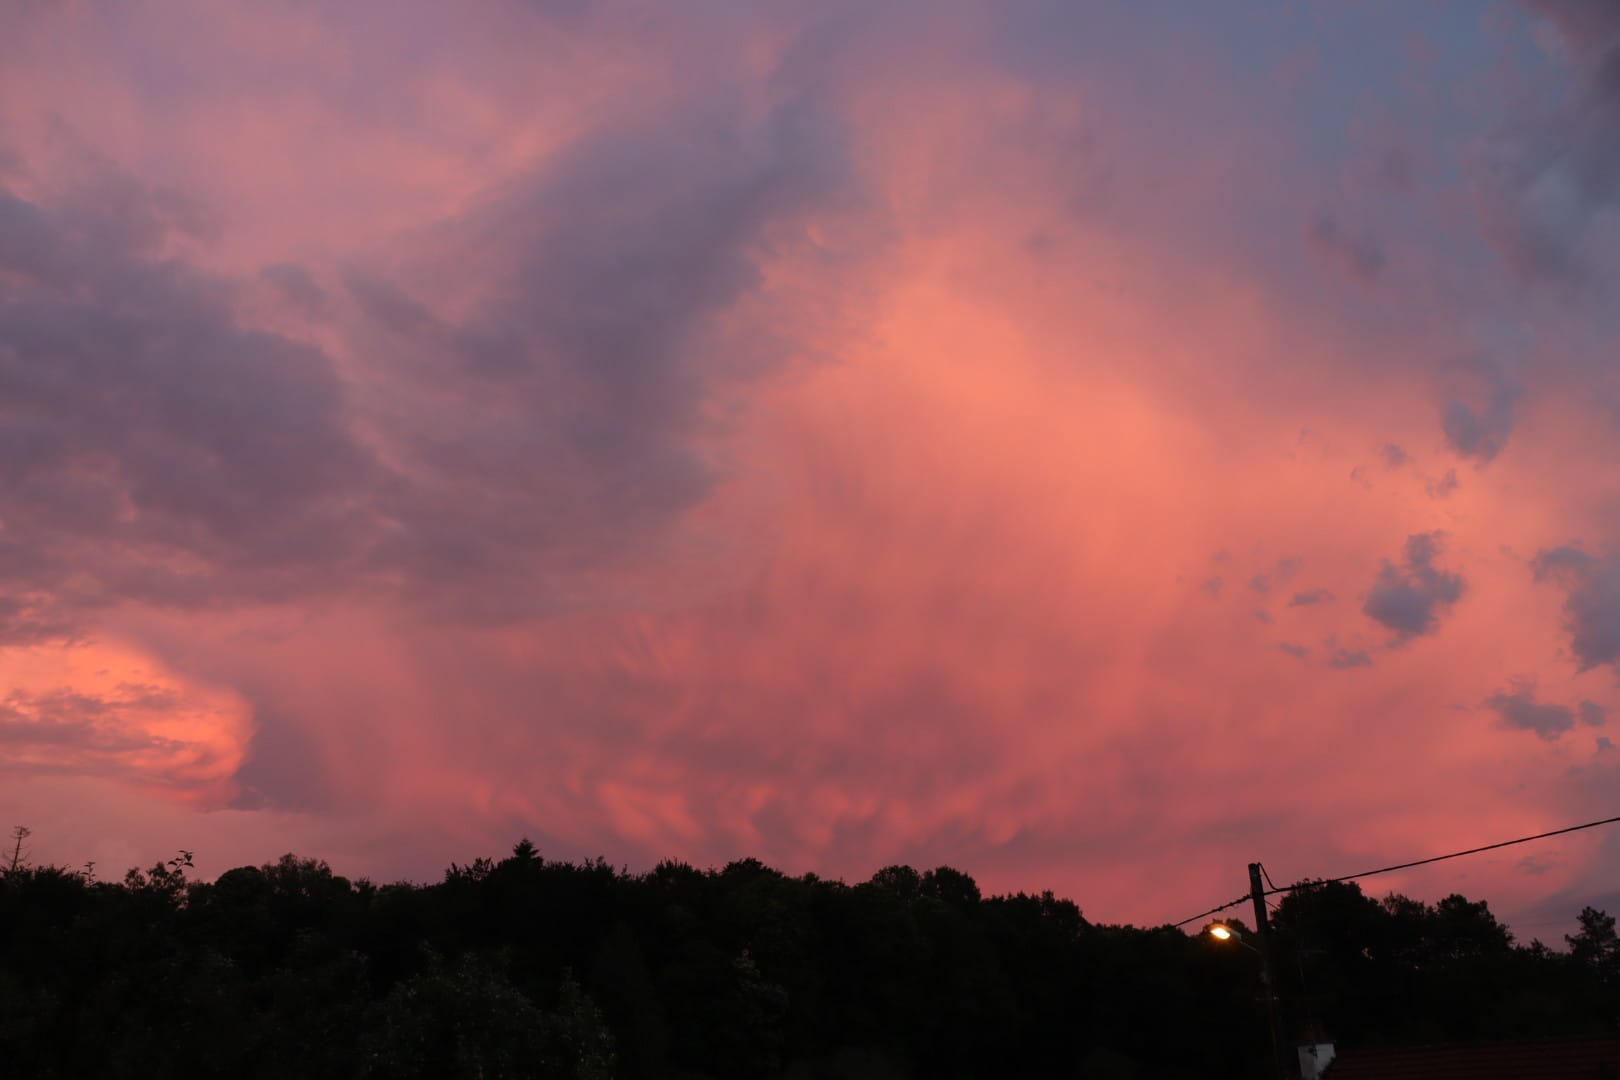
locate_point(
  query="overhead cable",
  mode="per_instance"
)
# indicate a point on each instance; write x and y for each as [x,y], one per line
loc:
[1274,889]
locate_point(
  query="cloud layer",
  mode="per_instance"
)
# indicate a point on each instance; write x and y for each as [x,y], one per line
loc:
[1013,437]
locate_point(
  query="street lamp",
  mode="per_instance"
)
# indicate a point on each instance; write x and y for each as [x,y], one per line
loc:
[1222,932]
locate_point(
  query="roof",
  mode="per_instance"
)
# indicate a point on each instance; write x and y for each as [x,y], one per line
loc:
[1586,1057]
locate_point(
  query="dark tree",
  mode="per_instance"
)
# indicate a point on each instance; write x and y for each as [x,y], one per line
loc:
[527,967]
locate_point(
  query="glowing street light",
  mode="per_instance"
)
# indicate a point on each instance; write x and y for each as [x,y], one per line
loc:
[1222,932]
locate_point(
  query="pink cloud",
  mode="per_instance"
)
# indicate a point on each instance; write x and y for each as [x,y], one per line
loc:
[796,435]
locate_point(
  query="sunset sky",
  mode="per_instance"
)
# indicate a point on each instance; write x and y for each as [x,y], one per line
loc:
[1091,445]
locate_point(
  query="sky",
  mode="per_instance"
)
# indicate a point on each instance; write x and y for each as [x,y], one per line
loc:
[1093,446]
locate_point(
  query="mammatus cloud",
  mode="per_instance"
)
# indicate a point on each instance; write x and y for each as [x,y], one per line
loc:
[1410,598]
[1591,601]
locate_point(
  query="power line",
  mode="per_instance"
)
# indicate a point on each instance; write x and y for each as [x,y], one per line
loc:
[1214,910]
[1453,855]
[1273,889]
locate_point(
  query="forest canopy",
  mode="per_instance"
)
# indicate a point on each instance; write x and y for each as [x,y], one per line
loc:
[529,967]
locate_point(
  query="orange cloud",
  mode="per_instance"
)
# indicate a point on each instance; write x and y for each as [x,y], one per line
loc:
[107,710]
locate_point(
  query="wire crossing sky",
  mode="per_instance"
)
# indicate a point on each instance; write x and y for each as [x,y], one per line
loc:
[1272,889]
[1080,444]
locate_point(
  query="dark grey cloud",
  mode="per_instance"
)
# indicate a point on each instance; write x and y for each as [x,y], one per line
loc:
[1591,601]
[1356,251]
[1444,487]
[1589,26]
[1394,457]
[1478,433]
[27,620]
[1298,652]
[153,448]
[568,12]
[1478,426]
[1410,598]
[1344,659]
[1310,597]
[296,287]
[1593,714]
[1281,574]
[536,447]
[1536,865]
[572,417]
[282,767]
[142,430]
[1548,186]
[1518,709]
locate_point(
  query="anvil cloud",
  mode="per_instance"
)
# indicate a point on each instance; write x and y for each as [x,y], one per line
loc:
[1094,446]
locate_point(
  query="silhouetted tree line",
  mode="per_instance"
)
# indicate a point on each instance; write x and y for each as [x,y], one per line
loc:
[529,967]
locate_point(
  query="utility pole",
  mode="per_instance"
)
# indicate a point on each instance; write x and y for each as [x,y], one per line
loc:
[1262,928]
[18,858]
